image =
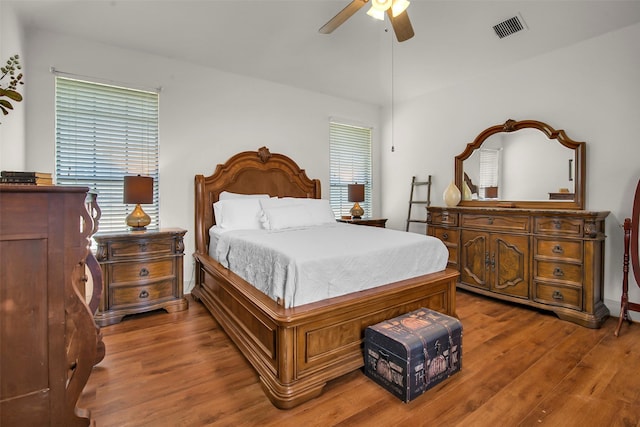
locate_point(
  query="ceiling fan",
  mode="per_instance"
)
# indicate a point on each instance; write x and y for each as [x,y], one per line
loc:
[396,10]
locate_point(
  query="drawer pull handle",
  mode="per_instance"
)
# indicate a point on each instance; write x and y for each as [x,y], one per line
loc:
[557,249]
[144,272]
[557,295]
[445,218]
[490,220]
[143,294]
[445,236]
[558,272]
[143,247]
[557,224]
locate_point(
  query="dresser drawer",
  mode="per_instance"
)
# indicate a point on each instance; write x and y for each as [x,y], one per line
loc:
[562,250]
[119,250]
[559,271]
[565,296]
[123,296]
[447,235]
[496,222]
[444,218]
[554,225]
[145,270]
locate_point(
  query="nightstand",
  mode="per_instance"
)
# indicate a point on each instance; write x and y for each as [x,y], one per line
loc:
[372,222]
[141,271]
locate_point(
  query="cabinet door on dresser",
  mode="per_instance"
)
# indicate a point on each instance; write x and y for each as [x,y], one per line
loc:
[495,261]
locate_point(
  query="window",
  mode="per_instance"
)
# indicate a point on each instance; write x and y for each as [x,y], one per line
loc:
[489,159]
[103,133]
[350,163]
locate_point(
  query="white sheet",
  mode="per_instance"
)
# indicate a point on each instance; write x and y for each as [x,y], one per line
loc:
[304,265]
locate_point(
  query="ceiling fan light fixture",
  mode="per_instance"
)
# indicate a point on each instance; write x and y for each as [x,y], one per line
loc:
[399,6]
[376,13]
[381,5]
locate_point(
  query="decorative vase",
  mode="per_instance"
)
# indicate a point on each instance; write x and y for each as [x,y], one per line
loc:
[466,191]
[451,195]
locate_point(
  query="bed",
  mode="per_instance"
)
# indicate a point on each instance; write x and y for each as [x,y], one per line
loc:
[295,350]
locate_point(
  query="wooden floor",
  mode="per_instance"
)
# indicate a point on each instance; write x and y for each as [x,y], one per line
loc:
[520,367]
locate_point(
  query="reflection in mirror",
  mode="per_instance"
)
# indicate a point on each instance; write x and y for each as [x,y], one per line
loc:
[521,165]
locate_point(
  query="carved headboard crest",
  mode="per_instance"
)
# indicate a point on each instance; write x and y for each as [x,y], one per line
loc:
[264,154]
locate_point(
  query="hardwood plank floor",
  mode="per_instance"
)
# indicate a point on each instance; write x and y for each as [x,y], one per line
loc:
[520,367]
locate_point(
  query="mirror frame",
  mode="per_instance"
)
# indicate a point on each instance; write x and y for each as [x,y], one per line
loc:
[511,126]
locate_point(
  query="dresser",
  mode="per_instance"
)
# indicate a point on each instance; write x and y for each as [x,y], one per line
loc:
[49,341]
[544,258]
[142,271]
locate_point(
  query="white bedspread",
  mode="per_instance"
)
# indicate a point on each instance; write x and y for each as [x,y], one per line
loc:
[303,265]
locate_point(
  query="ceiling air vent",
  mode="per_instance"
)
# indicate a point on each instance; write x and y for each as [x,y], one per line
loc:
[508,27]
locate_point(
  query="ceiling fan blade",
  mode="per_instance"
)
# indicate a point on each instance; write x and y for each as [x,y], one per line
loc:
[401,25]
[342,16]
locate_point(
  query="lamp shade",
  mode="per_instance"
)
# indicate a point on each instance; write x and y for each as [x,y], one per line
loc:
[356,192]
[138,189]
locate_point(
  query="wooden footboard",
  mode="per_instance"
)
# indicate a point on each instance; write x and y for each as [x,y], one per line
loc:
[296,351]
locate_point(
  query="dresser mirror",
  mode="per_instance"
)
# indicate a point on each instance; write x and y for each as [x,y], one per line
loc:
[522,164]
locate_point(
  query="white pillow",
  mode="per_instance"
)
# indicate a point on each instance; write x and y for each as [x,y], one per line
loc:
[238,214]
[226,195]
[317,211]
[320,210]
[286,216]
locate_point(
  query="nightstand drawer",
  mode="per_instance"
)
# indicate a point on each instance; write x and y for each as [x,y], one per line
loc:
[137,271]
[564,296]
[124,296]
[120,250]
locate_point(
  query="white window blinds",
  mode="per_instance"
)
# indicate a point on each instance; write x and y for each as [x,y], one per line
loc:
[103,133]
[350,162]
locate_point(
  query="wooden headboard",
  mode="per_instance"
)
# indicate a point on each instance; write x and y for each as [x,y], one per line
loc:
[248,172]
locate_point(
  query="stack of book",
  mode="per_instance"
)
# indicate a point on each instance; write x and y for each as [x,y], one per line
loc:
[26,178]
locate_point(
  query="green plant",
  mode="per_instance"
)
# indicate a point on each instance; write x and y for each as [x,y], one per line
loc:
[12,70]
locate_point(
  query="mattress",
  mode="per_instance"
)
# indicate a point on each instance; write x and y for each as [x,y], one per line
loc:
[298,266]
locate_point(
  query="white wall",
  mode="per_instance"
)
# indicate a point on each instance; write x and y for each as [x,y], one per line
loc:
[205,117]
[591,90]
[12,129]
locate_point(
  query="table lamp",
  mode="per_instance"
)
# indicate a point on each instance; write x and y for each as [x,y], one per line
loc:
[356,194]
[139,190]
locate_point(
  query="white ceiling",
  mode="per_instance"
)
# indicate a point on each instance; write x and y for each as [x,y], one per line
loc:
[277,40]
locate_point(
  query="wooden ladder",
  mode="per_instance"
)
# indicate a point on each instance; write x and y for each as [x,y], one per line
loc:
[413,202]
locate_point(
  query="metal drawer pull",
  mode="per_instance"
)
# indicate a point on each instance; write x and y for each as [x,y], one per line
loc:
[143,247]
[445,236]
[144,272]
[558,272]
[143,294]
[557,295]
[557,249]
[490,220]
[557,224]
